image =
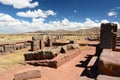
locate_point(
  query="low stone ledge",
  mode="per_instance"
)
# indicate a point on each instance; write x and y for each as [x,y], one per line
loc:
[85,78]
[57,61]
[104,77]
[27,74]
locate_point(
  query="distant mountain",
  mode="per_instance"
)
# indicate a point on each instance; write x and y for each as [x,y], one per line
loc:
[94,30]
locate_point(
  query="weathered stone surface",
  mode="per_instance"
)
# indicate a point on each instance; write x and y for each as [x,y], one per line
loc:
[20,46]
[29,56]
[57,61]
[42,45]
[65,48]
[59,44]
[109,63]
[93,43]
[104,77]
[47,53]
[71,41]
[1,49]
[27,74]
[107,38]
[9,47]
[35,45]
[44,55]
[85,78]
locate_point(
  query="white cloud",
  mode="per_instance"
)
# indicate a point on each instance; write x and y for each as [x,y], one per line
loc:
[36,13]
[104,21]
[8,24]
[112,13]
[20,3]
[6,18]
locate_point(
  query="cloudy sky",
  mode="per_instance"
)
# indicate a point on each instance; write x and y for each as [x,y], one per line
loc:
[18,16]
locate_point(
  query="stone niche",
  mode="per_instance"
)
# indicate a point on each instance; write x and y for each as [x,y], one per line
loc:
[108,35]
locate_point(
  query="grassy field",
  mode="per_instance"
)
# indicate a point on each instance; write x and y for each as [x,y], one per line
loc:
[16,58]
[10,59]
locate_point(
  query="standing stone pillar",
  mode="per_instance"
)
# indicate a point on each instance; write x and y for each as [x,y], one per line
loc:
[42,45]
[107,36]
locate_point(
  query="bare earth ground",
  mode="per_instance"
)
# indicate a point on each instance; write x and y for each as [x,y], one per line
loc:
[68,71]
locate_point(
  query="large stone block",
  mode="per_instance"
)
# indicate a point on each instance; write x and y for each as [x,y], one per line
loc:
[27,74]
[48,53]
[19,46]
[109,63]
[85,78]
[29,56]
[105,77]
[107,36]
[9,47]
[67,47]
[48,43]
[1,49]
[35,45]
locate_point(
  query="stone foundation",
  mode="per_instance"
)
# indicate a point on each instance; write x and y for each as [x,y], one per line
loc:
[57,61]
[109,63]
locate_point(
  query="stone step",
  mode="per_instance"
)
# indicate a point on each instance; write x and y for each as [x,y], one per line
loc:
[105,77]
[92,67]
[85,78]
[117,48]
[92,61]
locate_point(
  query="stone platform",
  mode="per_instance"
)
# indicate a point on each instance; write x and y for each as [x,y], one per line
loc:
[109,63]
[60,59]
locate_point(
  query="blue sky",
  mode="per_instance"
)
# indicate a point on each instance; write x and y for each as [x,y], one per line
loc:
[18,16]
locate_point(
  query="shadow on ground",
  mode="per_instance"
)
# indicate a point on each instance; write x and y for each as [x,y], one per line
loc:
[92,71]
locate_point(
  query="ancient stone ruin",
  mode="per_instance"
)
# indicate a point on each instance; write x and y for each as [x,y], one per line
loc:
[11,47]
[105,64]
[53,54]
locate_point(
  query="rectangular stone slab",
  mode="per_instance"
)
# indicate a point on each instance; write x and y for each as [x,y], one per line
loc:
[105,77]
[27,74]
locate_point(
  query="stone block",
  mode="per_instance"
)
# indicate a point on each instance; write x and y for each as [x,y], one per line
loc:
[9,47]
[107,36]
[109,63]
[19,46]
[29,56]
[105,77]
[35,45]
[42,45]
[27,74]
[67,47]
[71,41]
[85,78]
[48,43]
[1,49]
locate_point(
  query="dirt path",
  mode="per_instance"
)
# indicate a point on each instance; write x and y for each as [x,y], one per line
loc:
[68,71]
